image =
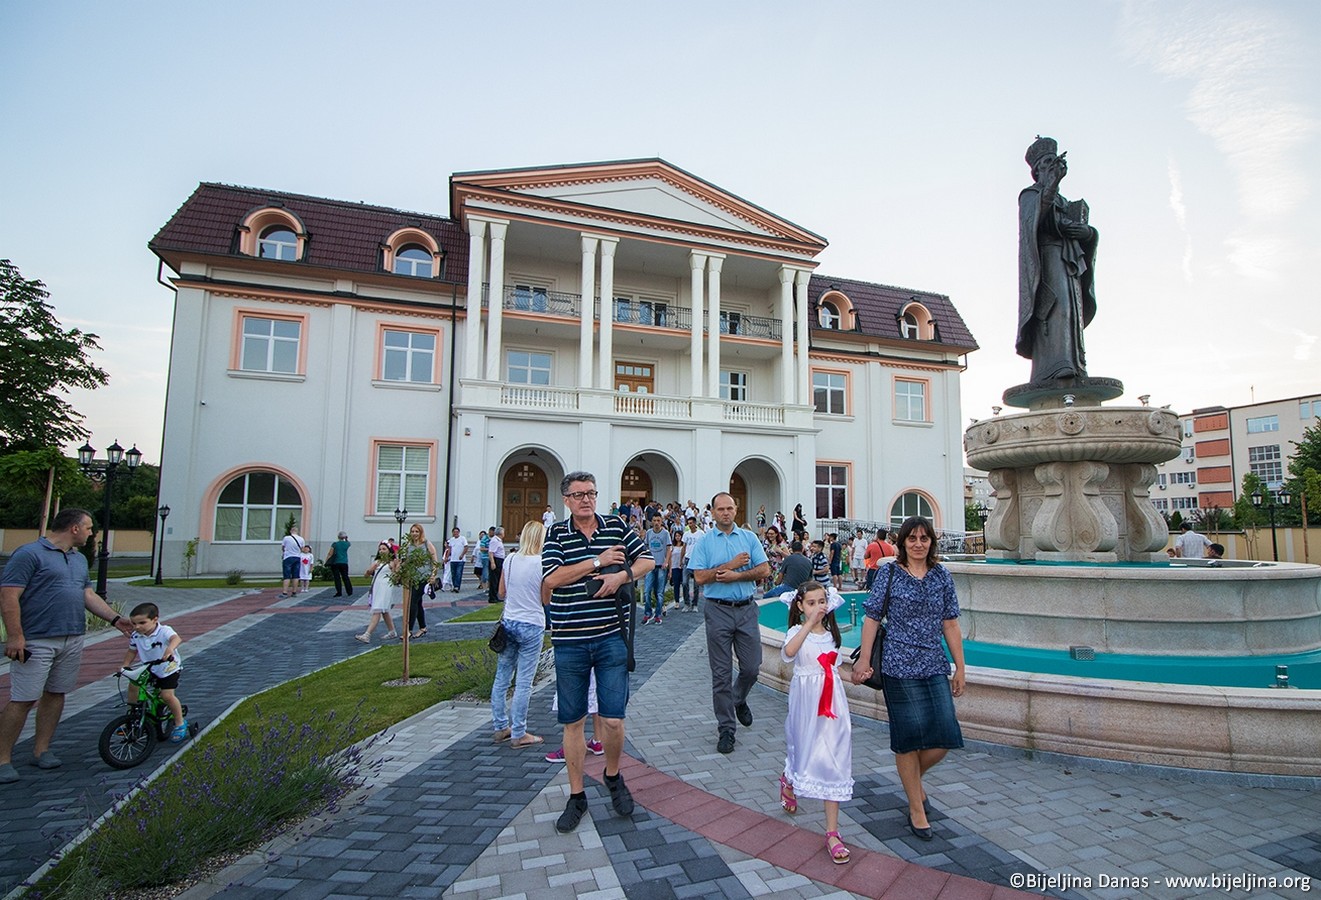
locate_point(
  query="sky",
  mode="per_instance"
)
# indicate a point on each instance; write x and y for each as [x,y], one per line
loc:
[894,129]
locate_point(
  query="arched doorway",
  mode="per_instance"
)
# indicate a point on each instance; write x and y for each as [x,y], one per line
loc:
[523,497]
[738,489]
[635,485]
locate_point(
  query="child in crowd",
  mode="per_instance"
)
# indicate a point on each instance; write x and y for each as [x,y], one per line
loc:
[152,641]
[305,568]
[595,747]
[676,568]
[817,732]
[820,563]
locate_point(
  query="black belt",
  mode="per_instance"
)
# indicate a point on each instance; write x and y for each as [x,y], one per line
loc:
[728,602]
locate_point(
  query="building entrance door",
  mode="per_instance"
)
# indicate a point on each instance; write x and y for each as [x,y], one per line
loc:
[635,486]
[738,489]
[524,498]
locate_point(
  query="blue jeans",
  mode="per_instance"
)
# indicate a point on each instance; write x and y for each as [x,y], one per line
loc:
[655,590]
[692,591]
[456,573]
[522,651]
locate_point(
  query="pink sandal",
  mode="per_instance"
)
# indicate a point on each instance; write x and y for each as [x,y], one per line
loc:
[787,798]
[839,854]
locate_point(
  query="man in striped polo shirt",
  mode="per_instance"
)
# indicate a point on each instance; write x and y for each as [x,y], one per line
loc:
[586,634]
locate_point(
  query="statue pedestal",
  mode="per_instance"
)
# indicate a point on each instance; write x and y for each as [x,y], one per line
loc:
[1071,477]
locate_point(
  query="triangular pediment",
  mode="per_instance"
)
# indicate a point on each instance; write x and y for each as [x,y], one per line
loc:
[648,189]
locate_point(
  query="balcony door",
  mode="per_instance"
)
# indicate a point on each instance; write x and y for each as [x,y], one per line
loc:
[635,377]
[524,497]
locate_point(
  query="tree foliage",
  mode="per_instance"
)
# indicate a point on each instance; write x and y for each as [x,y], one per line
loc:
[1305,472]
[40,360]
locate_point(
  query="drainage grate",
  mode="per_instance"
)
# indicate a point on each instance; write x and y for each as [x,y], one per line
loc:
[1082,653]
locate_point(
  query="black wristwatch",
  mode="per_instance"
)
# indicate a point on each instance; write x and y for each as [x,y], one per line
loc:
[115,620]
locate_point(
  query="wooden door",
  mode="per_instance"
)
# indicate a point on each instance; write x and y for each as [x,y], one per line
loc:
[524,498]
[738,489]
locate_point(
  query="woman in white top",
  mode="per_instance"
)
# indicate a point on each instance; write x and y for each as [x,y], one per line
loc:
[383,594]
[525,623]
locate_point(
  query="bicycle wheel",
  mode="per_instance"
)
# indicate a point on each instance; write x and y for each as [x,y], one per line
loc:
[126,742]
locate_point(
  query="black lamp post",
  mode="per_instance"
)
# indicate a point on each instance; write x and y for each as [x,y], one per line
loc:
[982,512]
[399,516]
[104,471]
[164,513]
[1283,497]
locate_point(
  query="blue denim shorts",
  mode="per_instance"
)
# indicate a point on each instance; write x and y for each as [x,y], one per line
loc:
[574,663]
[921,713]
[290,566]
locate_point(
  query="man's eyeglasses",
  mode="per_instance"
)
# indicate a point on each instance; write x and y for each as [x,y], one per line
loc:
[582,495]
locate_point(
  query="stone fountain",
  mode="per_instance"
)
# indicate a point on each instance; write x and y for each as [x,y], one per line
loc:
[1072,516]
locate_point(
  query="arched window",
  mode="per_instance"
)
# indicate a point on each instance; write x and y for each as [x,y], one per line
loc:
[255,506]
[278,242]
[828,316]
[411,252]
[916,322]
[910,504]
[273,232]
[414,260]
[908,326]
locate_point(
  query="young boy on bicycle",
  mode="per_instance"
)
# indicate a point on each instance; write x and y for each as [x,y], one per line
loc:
[152,640]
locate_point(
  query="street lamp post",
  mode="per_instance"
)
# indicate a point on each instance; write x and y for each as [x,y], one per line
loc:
[164,513]
[1283,497]
[104,471]
[982,512]
[400,515]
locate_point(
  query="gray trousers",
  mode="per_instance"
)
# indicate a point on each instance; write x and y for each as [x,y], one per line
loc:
[731,631]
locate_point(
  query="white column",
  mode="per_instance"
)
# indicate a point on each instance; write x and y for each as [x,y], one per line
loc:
[697,262]
[472,337]
[495,306]
[606,342]
[588,313]
[804,371]
[787,374]
[713,264]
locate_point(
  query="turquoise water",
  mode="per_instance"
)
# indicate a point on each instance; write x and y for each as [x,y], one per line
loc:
[1221,671]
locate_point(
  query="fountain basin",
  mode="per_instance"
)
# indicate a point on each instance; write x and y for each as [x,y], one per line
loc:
[1262,731]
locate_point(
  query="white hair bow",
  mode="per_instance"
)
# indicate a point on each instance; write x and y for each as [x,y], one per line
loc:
[834,599]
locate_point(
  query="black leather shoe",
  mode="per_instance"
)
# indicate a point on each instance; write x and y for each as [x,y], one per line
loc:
[572,815]
[620,798]
[726,742]
[744,713]
[920,833]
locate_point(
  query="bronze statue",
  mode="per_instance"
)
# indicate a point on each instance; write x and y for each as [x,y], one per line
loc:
[1056,254]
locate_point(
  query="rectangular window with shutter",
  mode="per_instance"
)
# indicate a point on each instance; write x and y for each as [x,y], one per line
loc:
[403,478]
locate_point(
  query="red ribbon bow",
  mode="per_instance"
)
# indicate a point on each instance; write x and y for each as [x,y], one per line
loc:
[823,706]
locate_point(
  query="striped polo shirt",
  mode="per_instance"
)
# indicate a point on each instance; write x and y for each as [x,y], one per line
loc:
[574,616]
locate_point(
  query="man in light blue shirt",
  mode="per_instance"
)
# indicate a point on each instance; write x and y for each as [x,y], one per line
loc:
[728,562]
[658,543]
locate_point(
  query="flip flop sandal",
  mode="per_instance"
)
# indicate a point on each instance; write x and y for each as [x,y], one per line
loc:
[528,740]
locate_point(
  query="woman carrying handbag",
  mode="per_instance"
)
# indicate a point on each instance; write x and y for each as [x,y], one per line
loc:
[917,599]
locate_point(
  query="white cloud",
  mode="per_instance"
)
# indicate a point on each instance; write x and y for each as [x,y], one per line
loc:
[1239,60]
[1181,217]
[1302,351]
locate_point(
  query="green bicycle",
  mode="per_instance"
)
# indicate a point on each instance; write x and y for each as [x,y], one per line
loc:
[130,738]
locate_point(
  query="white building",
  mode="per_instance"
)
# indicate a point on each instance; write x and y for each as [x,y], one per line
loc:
[338,362]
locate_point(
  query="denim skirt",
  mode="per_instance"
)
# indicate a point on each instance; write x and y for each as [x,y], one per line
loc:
[921,712]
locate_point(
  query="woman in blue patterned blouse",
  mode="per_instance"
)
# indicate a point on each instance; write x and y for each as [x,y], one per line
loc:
[918,689]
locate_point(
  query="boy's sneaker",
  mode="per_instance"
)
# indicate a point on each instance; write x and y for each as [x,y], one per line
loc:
[558,755]
[596,748]
[180,733]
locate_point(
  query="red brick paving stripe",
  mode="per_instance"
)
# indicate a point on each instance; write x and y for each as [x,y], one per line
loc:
[868,873]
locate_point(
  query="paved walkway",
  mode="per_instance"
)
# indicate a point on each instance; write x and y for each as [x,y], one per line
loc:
[450,814]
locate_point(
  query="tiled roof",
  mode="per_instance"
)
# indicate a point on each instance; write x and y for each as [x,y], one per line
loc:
[341,235]
[878,305]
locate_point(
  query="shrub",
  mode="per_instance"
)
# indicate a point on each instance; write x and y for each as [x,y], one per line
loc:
[320,571]
[234,576]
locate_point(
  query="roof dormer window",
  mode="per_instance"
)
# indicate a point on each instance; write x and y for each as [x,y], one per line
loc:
[273,233]
[411,252]
[828,316]
[278,242]
[916,323]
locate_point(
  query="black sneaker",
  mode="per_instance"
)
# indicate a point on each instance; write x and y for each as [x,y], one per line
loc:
[744,713]
[726,742]
[572,815]
[619,796]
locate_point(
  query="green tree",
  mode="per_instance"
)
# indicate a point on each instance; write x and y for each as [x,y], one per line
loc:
[40,361]
[1245,513]
[1305,474]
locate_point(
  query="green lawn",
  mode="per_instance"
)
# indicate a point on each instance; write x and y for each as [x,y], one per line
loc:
[209,583]
[276,759]
[491,612]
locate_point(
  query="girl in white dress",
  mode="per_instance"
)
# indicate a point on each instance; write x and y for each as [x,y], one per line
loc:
[818,733]
[383,594]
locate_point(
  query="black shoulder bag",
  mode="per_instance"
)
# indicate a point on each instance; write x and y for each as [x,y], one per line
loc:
[625,606]
[876,682]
